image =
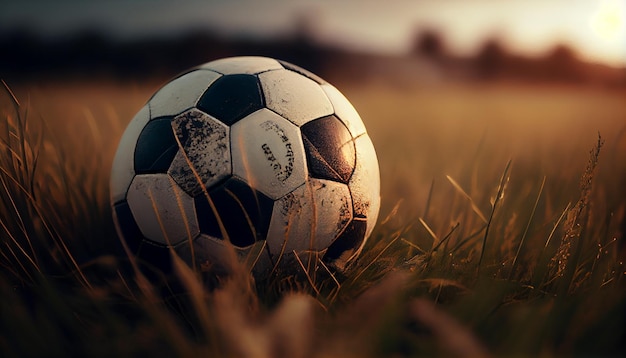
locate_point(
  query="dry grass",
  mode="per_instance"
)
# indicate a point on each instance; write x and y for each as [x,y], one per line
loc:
[500,234]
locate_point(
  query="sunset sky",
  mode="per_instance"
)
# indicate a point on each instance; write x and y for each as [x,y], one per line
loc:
[595,28]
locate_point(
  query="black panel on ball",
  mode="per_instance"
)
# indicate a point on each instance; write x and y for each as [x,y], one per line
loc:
[302,71]
[244,212]
[348,242]
[127,225]
[156,147]
[330,149]
[155,255]
[206,217]
[232,97]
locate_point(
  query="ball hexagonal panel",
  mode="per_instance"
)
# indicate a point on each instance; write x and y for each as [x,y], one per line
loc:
[244,64]
[181,93]
[294,96]
[123,169]
[156,147]
[329,149]
[348,245]
[213,254]
[205,156]
[365,182]
[232,97]
[268,153]
[309,218]
[164,213]
[234,210]
[344,110]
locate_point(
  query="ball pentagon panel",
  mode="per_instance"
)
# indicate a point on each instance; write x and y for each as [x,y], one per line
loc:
[234,211]
[244,64]
[204,156]
[232,97]
[344,110]
[294,96]
[348,245]
[123,169]
[164,213]
[268,153]
[181,93]
[156,147]
[329,149]
[126,225]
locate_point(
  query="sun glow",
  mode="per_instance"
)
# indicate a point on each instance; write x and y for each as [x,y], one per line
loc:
[607,22]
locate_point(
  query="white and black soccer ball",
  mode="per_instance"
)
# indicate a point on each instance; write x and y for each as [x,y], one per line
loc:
[248,151]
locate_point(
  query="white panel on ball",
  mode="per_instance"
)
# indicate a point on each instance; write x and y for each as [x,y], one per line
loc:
[164,213]
[344,110]
[123,169]
[206,146]
[207,252]
[244,64]
[309,218]
[182,93]
[365,182]
[333,210]
[294,96]
[267,152]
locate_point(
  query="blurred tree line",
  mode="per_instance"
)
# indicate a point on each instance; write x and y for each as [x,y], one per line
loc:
[26,56]
[493,61]
[91,54]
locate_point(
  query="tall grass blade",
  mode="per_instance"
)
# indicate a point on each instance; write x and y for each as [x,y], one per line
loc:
[307,274]
[362,271]
[429,199]
[499,196]
[13,97]
[430,232]
[475,207]
[530,219]
[556,225]
[392,213]
[575,224]
[447,237]
[468,238]
[194,289]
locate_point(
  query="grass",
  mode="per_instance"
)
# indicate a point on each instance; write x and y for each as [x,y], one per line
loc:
[501,233]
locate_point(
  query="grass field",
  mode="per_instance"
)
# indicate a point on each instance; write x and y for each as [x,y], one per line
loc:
[501,233]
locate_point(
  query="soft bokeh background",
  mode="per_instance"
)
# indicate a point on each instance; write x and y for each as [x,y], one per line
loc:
[594,28]
[114,35]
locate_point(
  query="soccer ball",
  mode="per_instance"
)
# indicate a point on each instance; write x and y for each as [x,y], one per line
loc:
[250,155]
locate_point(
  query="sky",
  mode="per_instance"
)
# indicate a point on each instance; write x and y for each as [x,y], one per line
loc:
[596,29]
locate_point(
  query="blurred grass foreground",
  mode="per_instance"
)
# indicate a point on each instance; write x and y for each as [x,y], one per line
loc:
[502,230]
